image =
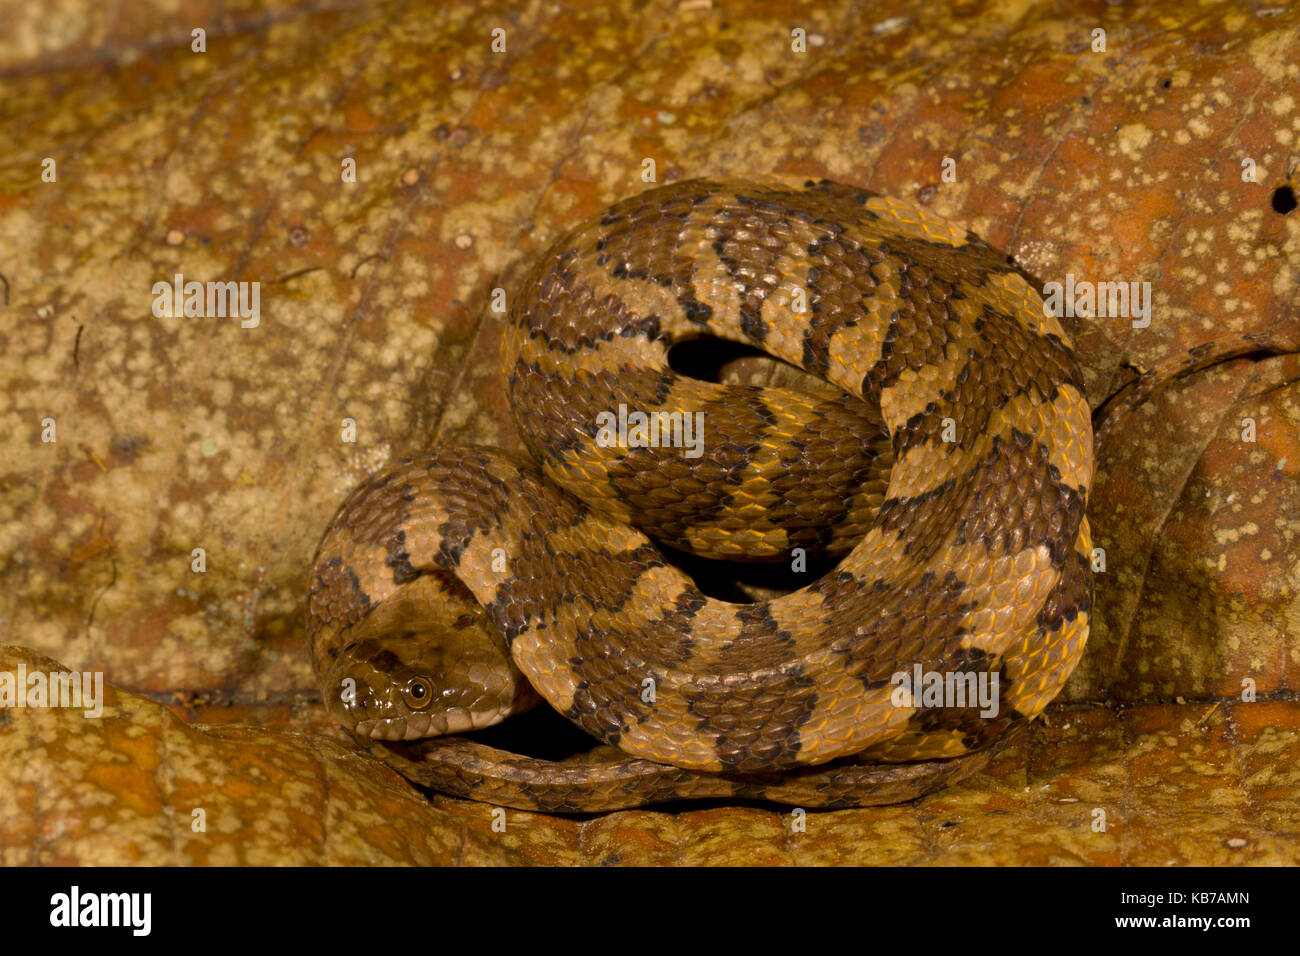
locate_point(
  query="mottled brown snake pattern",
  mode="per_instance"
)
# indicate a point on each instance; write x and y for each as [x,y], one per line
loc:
[949,472]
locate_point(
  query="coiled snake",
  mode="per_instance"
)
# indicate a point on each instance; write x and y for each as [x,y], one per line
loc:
[951,471]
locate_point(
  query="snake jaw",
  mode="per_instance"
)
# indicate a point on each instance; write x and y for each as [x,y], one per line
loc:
[415,727]
[418,726]
[435,724]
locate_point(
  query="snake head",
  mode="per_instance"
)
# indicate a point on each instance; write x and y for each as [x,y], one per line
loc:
[377,694]
[441,678]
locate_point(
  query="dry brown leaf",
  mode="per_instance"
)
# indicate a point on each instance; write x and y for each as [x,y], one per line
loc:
[183,433]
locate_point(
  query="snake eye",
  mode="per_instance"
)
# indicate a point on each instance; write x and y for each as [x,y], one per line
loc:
[418,693]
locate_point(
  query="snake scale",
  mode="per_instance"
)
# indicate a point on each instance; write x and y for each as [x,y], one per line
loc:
[949,472]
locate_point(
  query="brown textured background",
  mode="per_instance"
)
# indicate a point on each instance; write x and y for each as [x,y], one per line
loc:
[183,433]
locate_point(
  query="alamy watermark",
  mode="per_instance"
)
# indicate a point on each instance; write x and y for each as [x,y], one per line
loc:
[74,689]
[213,299]
[1098,300]
[923,688]
[76,908]
[652,430]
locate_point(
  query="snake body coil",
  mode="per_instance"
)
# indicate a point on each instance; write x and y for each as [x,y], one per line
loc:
[951,470]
